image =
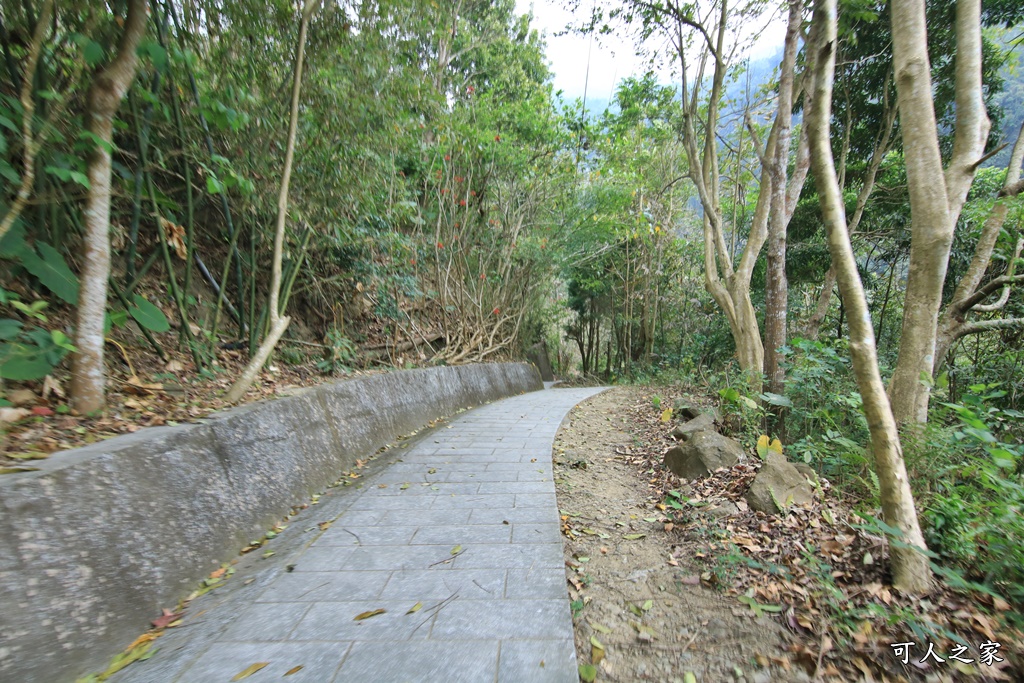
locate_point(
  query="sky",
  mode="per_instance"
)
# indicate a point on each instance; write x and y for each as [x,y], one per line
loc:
[612,58]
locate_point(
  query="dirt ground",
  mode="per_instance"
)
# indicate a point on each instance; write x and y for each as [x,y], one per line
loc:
[634,592]
[682,581]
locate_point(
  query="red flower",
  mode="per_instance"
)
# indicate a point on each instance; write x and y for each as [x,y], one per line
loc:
[496,311]
[483,276]
[462,202]
[472,193]
[447,157]
[497,138]
[458,179]
[440,245]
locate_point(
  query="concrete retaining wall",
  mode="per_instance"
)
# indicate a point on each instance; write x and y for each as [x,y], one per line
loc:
[94,544]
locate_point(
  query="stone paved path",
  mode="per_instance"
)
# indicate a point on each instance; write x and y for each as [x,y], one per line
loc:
[464,526]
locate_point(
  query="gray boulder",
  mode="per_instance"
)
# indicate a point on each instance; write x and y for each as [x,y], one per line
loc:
[702,421]
[683,409]
[809,472]
[701,453]
[777,483]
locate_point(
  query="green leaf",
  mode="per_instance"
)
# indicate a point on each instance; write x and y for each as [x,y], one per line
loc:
[12,245]
[59,173]
[776,399]
[633,537]
[18,362]
[213,185]
[80,178]
[588,673]
[89,136]
[60,339]
[8,172]
[9,328]
[156,53]
[148,315]
[52,271]
[93,53]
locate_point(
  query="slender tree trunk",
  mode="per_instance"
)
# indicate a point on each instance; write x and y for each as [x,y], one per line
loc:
[88,375]
[776,285]
[936,197]
[278,324]
[909,565]
[881,148]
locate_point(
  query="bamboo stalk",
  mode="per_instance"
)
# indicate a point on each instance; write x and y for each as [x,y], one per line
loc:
[172,278]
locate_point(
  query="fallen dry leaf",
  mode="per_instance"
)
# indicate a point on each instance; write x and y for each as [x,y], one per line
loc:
[249,670]
[367,615]
[167,618]
[13,414]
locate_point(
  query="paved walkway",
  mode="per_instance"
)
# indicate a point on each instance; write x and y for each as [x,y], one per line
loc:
[458,542]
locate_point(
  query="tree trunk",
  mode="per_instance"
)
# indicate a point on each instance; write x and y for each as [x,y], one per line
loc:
[88,375]
[936,198]
[776,285]
[909,565]
[277,323]
[881,148]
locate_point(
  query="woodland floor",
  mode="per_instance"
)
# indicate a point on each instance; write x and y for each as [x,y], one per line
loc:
[665,586]
[142,391]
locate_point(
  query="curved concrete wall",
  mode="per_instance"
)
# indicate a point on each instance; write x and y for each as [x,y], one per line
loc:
[94,544]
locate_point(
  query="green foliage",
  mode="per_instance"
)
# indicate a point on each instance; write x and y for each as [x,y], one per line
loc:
[340,353]
[30,351]
[968,463]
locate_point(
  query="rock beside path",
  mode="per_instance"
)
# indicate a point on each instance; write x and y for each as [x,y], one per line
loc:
[701,453]
[778,482]
[701,422]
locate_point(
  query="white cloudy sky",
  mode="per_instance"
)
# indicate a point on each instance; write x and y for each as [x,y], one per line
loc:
[612,58]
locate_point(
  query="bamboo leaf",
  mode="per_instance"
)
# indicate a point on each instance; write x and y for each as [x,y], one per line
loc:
[148,315]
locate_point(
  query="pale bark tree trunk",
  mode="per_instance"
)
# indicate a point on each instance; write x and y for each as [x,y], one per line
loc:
[909,565]
[968,297]
[776,285]
[729,284]
[728,287]
[936,197]
[278,324]
[88,375]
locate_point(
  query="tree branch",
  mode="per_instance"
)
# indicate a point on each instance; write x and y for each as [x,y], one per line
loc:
[980,326]
[29,108]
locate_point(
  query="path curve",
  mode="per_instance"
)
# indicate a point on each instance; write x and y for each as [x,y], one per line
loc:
[458,541]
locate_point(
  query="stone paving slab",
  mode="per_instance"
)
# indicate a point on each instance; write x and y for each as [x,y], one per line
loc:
[464,525]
